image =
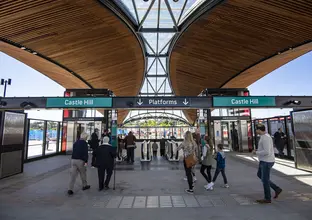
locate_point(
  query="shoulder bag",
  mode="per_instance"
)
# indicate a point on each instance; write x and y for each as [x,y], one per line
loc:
[191,160]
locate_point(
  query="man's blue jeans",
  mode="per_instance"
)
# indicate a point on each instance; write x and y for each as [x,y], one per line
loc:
[264,174]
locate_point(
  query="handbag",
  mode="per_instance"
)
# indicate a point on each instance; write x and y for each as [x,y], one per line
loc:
[190,160]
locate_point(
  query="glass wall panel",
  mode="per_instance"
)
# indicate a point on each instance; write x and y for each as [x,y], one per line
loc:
[51,137]
[143,133]
[184,129]
[152,133]
[160,133]
[71,137]
[35,138]
[275,124]
[167,131]
[135,132]
[60,137]
[291,137]
[302,124]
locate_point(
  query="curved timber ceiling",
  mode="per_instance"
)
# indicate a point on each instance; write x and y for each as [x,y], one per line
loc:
[237,43]
[81,35]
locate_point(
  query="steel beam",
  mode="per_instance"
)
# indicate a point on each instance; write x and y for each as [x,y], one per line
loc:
[8,103]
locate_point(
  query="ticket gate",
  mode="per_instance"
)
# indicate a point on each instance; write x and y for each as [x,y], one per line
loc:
[146,151]
[172,152]
[121,154]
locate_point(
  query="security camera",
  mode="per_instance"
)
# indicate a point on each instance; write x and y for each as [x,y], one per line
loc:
[27,105]
[296,102]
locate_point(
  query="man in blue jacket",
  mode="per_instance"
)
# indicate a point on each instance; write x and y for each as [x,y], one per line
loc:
[79,162]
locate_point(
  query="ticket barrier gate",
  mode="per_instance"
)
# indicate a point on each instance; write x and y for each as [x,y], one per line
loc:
[146,151]
[121,154]
[172,152]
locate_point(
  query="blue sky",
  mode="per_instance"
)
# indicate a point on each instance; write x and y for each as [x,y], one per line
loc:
[293,78]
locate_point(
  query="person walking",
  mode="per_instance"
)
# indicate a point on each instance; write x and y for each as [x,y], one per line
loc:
[162,147]
[47,140]
[105,155]
[79,162]
[130,142]
[220,158]
[279,140]
[265,153]
[94,144]
[207,159]
[155,148]
[189,148]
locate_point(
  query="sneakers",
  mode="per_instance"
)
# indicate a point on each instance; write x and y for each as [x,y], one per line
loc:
[185,178]
[210,185]
[189,191]
[210,189]
[226,186]
[70,192]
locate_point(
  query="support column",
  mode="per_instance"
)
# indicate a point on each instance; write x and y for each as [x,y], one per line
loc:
[114,141]
[107,120]
[209,124]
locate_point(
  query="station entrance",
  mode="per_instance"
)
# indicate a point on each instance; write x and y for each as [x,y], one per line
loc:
[223,114]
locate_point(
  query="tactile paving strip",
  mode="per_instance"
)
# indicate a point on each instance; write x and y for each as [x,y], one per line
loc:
[189,201]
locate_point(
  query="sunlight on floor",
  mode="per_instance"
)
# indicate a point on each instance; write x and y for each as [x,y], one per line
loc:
[285,167]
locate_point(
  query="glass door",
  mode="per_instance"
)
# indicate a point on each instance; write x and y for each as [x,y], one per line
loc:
[225,133]
[234,135]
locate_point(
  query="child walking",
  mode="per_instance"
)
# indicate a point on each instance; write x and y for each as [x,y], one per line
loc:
[220,157]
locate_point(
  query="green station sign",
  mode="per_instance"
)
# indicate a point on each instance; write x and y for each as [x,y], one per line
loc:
[77,102]
[244,101]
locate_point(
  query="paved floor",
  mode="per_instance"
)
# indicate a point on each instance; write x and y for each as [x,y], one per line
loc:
[152,191]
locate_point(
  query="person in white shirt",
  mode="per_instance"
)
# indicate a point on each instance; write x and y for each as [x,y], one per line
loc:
[265,153]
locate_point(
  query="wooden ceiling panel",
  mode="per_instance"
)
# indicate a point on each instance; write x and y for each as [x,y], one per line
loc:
[234,44]
[47,68]
[82,35]
[258,71]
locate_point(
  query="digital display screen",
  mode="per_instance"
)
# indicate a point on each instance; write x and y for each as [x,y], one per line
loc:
[13,129]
